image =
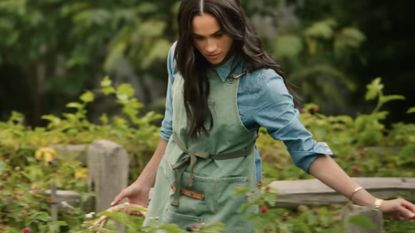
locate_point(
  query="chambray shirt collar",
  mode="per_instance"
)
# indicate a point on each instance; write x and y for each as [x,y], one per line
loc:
[227,68]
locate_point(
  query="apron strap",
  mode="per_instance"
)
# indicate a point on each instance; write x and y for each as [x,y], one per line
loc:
[190,159]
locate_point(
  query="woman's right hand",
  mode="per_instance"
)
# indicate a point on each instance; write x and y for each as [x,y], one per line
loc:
[399,208]
[138,191]
[135,193]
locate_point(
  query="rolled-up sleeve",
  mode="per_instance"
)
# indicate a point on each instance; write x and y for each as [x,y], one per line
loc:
[276,112]
[166,125]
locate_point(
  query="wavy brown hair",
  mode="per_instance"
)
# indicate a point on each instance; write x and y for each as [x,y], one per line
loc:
[193,66]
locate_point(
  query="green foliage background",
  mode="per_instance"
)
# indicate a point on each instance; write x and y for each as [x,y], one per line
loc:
[51,51]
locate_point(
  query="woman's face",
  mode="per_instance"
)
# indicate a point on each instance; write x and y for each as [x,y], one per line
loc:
[209,38]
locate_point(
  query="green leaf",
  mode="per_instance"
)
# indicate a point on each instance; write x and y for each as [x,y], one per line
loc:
[104,119]
[151,28]
[125,90]
[270,197]
[66,10]
[348,38]
[16,118]
[119,122]
[106,82]
[75,105]
[362,221]
[122,98]
[39,216]
[146,8]
[387,98]
[87,97]
[53,120]
[106,86]
[89,18]
[288,46]
[108,90]
[406,155]
[217,227]
[352,37]
[374,89]
[115,54]
[411,110]
[322,29]
[157,52]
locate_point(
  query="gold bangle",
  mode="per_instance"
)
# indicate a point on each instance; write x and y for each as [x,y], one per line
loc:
[354,192]
[378,203]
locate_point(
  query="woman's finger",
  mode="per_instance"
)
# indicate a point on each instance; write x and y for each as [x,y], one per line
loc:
[118,198]
[410,206]
[405,212]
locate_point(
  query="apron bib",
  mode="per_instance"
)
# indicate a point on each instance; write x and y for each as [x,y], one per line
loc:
[197,178]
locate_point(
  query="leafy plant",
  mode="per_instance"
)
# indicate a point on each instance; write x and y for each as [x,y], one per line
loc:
[28,161]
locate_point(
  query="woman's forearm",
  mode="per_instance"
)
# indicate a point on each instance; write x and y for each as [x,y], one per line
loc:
[148,175]
[329,172]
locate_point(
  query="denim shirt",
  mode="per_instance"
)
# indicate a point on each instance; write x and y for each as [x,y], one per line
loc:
[263,101]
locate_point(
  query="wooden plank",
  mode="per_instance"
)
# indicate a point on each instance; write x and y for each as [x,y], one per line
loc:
[313,192]
[73,198]
[107,171]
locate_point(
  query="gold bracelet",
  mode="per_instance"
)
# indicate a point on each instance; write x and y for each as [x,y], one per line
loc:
[378,203]
[354,192]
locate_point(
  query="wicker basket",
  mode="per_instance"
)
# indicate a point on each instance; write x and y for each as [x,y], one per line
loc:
[98,225]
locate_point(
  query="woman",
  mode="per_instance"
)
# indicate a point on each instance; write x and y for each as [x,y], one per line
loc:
[222,88]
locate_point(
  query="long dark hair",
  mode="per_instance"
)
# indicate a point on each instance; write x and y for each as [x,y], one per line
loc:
[193,66]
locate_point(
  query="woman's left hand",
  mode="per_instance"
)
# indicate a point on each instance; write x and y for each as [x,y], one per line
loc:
[399,208]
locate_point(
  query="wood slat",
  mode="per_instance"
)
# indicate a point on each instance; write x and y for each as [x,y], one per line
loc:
[313,192]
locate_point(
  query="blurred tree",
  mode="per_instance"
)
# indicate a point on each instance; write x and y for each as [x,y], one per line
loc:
[331,49]
[51,50]
[388,50]
[314,53]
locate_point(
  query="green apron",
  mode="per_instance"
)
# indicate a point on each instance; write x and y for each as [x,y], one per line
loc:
[197,178]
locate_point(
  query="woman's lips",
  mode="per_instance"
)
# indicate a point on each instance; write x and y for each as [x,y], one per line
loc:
[213,56]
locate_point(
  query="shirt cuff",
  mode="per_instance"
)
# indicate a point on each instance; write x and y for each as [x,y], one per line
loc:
[165,133]
[304,159]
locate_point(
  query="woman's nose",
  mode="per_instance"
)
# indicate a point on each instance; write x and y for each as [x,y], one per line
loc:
[211,46]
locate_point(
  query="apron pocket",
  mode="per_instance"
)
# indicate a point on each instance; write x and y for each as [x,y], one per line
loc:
[219,196]
[182,220]
[202,203]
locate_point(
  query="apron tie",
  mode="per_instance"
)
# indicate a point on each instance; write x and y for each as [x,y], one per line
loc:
[190,159]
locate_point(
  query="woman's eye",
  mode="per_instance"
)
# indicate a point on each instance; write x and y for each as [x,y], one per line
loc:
[198,38]
[218,35]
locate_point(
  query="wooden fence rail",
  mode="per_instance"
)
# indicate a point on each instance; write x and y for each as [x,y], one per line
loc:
[312,192]
[293,193]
